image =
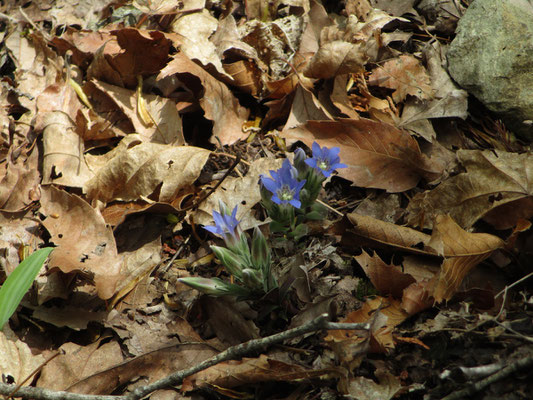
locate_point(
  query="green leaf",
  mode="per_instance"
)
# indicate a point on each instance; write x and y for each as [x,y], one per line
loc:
[231,261]
[19,282]
[300,231]
[214,286]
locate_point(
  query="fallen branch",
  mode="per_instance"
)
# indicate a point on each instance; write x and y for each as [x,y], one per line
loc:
[232,353]
[498,376]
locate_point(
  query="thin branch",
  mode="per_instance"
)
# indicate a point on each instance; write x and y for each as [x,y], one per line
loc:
[37,393]
[238,351]
[498,376]
[232,353]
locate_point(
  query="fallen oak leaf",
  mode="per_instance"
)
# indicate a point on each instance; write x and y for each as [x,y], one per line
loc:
[84,241]
[378,155]
[462,250]
[492,178]
[135,170]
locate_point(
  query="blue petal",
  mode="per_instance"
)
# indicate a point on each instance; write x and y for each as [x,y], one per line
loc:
[338,165]
[333,152]
[311,162]
[213,229]
[295,203]
[219,221]
[276,199]
[316,149]
[270,184]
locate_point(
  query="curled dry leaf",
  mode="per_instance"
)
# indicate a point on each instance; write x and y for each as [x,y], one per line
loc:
[217,101]
[19,183]
[462,250]
[252,371]
[376,233]
[63,159]
[155,365]
[16,359]
[78,362]
[383,314]
[167,128]
[134,170]
[336,58]
[492,178]
[84,241]
[386,278]
[378,155]
[305,107]
[406,76]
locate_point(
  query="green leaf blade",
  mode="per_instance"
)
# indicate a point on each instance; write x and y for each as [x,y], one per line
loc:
[19,282]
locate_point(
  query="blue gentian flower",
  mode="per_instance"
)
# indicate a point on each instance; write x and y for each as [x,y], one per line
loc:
[225,223]
[284,186]
[325,160]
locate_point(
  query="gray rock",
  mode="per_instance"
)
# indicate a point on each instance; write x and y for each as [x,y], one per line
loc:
[492,58]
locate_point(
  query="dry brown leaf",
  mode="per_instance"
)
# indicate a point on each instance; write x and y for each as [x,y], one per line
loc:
[63,159]
[17,231]
[16,359]
[252,371]
[167,128]
[78,362]
[195,29]
[340,99]
[84,241]
[305,107]
[218,102]
[37,65]
[378,155]
[463,251]
[386,278]
[416,297]
[492,178]
[135,170]
[383,314]
[406,76]
[336,58]
[155,365]
[377,233]
[19,185]
[362,388]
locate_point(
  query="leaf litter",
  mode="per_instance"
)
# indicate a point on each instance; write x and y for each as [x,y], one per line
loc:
[121,138]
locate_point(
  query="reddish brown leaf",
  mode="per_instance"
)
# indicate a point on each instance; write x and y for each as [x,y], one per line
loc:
[463,251]
[378,155]
[405,75]
[386,278]
[492,178]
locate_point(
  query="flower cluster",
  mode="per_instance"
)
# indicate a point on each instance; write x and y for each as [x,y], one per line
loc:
[251,268]
[289,196]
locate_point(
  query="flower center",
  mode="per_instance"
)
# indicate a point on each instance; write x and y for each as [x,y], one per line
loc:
[323,164]
[285,193]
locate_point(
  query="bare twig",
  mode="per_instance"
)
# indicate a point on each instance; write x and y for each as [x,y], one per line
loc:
[243,349]
[232,353]
[498,376]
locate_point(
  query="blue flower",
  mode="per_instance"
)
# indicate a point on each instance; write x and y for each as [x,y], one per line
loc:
[284,186]
[325,160]
[225,223]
